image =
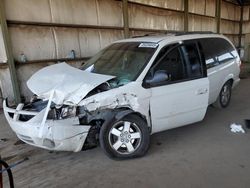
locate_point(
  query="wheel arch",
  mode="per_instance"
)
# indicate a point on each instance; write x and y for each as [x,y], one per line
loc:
[217,103]
[229,78]
[110,115]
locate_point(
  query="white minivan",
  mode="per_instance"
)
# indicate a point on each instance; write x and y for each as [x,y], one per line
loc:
[131,89]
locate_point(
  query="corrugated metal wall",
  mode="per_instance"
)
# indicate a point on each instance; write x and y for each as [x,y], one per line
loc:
[146,17]
[49,29]
[199,22]
[39,42]
[230,18]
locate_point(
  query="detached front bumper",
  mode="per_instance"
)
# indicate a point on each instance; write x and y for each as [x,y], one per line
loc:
[60,135]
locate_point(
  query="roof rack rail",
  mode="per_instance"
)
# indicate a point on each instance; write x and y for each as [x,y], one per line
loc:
[149,34]
[178,33]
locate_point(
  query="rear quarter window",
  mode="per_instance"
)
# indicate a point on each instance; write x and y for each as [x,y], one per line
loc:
[217,51]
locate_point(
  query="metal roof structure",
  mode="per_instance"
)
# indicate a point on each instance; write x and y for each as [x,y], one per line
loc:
[240,2]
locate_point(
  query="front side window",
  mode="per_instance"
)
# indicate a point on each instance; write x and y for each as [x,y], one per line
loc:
[179,62]
[172,64]
[123,60]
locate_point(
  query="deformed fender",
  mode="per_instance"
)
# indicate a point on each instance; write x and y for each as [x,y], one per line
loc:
[115,104]
[111,115]
[121,114]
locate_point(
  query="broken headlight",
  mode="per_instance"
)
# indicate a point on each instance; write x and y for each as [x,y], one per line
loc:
[62,112]
[67,112]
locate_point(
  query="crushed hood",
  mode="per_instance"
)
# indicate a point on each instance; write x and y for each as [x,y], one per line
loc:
[68,84]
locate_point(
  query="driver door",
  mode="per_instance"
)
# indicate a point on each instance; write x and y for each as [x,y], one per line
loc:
[182,98]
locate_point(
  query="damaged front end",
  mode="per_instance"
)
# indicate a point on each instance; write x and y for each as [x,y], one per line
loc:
[51,121]
[64,127]
[41,129]
[67,113]
[76,107]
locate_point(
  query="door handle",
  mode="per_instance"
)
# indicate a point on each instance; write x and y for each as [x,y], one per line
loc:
[202,91]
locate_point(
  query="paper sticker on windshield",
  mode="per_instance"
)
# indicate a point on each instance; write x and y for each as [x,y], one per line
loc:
[148,45]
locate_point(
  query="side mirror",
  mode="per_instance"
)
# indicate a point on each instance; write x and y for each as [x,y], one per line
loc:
[159,76]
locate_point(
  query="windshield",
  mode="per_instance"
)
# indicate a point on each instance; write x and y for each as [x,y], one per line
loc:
[123,60]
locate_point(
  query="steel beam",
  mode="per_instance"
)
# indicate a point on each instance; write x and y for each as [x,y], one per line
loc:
[186,15]
[46,24]
[9,53]
[125,18]
[218,15]
[240,25]
[154,6]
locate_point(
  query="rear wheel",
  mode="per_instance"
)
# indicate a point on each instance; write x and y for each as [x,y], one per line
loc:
[125,138]
[224,97]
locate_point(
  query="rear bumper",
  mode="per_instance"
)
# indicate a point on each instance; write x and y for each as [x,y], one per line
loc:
[59,135]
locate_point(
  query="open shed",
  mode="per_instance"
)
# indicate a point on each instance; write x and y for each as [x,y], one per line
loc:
[35,34]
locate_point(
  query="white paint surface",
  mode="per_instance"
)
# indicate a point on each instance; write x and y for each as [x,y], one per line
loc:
[178,104]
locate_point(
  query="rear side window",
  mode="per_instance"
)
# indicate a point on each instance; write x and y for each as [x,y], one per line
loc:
[217,51]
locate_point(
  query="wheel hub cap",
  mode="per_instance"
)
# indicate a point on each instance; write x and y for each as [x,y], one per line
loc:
[225,95]
[125,137]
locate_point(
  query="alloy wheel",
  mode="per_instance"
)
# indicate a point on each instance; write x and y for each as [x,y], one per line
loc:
[125,137]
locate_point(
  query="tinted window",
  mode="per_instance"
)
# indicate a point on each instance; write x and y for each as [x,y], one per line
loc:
[192,60]
[179,62]
[217,51]
[171,63]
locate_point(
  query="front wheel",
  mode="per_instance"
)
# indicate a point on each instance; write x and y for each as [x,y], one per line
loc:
[125,138]
[224,97]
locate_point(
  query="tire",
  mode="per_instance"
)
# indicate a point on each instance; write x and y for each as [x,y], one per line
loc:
[126,138]
[224,97]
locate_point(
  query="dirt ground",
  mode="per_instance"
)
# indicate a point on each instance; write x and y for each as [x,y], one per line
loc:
[204,154]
